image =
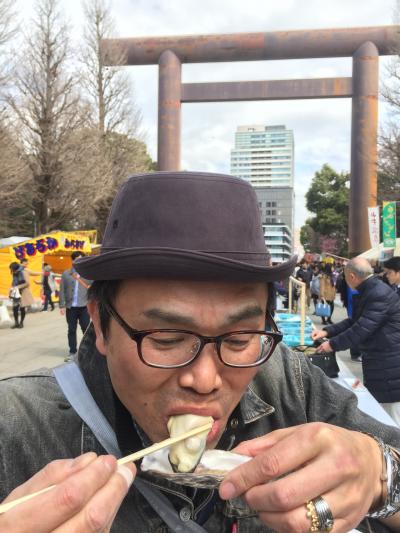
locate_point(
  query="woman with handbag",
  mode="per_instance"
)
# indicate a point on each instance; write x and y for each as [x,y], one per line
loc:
[20,294]
[327,292]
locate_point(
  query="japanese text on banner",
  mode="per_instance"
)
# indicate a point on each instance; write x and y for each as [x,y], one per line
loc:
[374,226]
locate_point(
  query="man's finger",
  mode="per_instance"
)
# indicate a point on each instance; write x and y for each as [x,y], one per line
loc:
[260,444]
[100,511]
[289,454]
[63,502]
[52,474]
[298,521]
[292,490]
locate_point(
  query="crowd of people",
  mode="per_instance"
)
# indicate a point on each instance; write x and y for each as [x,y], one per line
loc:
[325,279]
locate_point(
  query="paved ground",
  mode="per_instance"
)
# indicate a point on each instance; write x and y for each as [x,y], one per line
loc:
[43,342]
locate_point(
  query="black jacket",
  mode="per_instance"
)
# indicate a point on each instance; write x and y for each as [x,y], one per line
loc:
[304,276]
[375,331]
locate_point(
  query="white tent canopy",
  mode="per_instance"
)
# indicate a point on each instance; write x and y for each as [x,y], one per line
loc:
[10,241]
[379,253]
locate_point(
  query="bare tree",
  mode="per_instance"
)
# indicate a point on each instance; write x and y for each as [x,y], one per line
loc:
[16,217]
[389,138]
[389,163]
[47,110]
[104,163]
[109,90]
[115,120]
[8,26]
[8,30]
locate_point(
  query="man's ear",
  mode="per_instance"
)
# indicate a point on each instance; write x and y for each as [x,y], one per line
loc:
[94,315]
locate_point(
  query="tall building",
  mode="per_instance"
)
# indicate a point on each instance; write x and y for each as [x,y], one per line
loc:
[264,156]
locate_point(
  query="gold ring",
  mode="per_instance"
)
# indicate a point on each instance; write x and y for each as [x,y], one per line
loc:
[312,515]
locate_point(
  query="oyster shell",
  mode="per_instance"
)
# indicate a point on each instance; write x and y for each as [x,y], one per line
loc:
[185,455]
[209,473]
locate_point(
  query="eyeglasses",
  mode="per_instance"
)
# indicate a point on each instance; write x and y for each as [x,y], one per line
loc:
[175,348]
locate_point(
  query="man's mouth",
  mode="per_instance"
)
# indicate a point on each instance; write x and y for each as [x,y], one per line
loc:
[201,411]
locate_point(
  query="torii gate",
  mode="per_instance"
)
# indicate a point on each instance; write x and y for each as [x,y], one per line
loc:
[364,45]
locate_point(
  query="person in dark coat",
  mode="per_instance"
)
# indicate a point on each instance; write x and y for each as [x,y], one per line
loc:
[392,271]
[346,296]
[375,329]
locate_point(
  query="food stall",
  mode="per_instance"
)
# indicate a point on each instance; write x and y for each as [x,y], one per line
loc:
[53,248]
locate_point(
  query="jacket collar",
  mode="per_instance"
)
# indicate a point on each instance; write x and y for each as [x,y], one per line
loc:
[364,284]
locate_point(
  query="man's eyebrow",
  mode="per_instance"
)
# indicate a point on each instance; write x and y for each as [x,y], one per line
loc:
[251,311]
[171,317]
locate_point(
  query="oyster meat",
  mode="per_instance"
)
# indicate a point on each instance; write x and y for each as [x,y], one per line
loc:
[209,473]
[184,456]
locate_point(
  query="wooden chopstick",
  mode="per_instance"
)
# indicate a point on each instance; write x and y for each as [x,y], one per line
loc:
[128,459]
[163,444]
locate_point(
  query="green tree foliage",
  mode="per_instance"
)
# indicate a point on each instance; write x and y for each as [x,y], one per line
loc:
[308,238]
[328,199]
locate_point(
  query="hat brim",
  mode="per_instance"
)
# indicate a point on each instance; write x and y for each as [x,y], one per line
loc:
[165,263]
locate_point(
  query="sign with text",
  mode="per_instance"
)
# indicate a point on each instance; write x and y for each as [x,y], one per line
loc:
[51,243]
[374,226]
[389,224]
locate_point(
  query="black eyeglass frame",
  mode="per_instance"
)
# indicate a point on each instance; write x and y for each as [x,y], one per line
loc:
[138,336]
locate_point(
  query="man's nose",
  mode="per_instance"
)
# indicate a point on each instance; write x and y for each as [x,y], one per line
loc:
[204,374]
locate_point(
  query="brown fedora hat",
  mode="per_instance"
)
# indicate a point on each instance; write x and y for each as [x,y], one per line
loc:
[184,225]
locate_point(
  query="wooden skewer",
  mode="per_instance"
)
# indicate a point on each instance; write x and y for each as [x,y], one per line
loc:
[128,459]
[164,444]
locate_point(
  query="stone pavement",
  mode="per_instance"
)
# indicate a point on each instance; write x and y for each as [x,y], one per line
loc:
[43,343]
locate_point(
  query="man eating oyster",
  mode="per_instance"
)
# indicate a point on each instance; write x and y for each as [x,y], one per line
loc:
[180,325]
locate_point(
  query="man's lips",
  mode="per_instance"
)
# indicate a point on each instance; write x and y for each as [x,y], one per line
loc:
[214,431]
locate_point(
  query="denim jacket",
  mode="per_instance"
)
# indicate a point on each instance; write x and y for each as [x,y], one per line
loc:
[38,425]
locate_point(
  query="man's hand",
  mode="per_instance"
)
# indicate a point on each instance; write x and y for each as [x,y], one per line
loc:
[292,466]
[324,347]
[318,334]
[62,311]
[87,496]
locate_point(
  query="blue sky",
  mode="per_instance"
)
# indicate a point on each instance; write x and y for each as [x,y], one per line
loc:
[321,127]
